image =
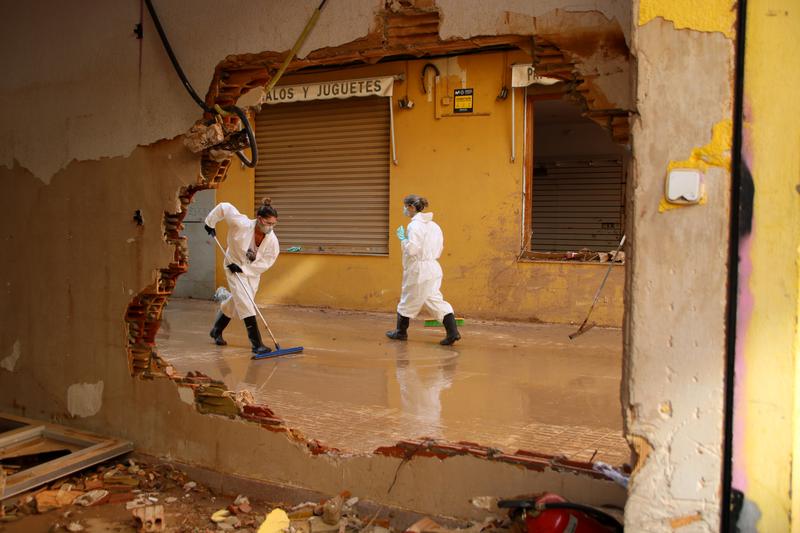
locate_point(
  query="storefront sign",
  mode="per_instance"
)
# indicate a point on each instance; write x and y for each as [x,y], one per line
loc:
[327,90]
[524,75]
[462,101]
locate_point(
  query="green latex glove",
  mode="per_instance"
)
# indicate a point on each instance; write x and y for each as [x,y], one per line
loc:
[401,233]
[294,249]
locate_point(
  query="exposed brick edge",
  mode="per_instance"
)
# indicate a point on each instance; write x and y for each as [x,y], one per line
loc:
[407,449]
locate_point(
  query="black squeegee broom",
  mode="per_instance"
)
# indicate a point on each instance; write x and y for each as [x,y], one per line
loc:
[278,351]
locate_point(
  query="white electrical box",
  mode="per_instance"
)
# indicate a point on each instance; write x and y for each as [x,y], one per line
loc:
[684,186]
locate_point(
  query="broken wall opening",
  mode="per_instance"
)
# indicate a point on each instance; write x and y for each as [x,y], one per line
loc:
[234,78]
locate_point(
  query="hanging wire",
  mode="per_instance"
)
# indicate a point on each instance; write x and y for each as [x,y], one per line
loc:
[232,109]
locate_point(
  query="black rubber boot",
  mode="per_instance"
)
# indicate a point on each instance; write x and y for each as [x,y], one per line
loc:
[255,336]
[453,335]
[220,324]
[400,334]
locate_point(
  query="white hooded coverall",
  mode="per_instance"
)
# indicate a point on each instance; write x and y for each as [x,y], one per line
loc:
[422,274]
[241,237]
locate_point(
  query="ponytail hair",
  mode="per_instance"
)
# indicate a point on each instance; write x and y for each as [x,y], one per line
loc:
[419,202]
[266,210]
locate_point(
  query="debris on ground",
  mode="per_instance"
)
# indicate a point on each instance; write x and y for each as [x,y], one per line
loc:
[48,500]
[424,525]
[241,505]
[275,522]
[144,496]
[93,497]
[220,515]
[150,518]
[135,488]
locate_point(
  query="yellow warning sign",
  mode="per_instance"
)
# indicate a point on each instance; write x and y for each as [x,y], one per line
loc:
[462,101]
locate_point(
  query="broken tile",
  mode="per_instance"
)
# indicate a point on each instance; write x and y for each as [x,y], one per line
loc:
[301,526]
[424,525]
[47,500]
[332,510]
[121,497]
[220,515]
[150,518]
[275,522]
[317,525]
[93,497]
[92,483]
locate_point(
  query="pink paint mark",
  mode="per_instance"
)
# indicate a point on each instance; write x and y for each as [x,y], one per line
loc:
[745,303]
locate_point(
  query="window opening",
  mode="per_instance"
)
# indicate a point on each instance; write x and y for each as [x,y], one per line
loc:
[577,194]
[326,164]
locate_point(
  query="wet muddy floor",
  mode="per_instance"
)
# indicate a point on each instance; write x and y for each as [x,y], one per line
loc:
[506,385]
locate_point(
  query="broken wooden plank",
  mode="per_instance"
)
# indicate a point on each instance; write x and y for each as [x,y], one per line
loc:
[91,450]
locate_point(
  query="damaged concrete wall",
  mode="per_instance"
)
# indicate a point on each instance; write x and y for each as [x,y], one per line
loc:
[675,327]
[84,144]
[84,87]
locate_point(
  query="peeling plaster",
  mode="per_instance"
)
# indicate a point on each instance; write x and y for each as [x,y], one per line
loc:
[717,153]
[710,16]
[679,325]
[497,18]
[598,47]
[85,399]
[88,94]
[186,394]
[10,361]
[643,449]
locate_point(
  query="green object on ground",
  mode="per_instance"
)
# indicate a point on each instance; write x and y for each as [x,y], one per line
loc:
[437,324]
[294,249]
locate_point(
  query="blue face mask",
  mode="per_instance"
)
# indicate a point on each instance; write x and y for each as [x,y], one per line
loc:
[406,212]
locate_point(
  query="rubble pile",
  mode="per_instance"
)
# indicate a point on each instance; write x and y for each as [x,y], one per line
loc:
[159,497]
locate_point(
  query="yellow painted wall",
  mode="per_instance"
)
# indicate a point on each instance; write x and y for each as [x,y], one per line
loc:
[767,426]
[711,15]
[462,165]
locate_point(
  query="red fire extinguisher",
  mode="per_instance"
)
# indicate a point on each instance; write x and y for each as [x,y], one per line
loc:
[550,513]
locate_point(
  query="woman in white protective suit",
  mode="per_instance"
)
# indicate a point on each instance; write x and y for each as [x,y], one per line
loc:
[422,274]
[252,249]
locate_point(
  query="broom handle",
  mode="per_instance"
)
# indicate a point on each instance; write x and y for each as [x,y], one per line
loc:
[247,292]
[605,278]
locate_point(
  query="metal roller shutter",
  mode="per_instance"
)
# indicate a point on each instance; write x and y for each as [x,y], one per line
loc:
[578,204]
[325,164]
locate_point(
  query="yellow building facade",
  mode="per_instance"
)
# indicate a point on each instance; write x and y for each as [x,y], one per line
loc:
[462,163]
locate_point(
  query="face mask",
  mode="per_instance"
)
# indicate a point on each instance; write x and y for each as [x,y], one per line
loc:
[263,228]
[406,212]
